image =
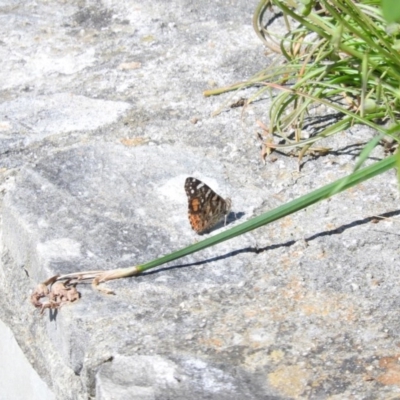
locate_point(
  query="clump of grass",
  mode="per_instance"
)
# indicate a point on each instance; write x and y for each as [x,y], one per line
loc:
[339,55]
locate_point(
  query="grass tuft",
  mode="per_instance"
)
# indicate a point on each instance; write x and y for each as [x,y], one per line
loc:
[340,57]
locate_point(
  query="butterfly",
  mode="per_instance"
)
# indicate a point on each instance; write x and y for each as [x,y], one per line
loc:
[206,207]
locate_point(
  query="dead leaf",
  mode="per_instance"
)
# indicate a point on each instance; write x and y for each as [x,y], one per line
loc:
[240,103]
[262,126]
[59,294]
[40,291]
[266,148]
[62,292]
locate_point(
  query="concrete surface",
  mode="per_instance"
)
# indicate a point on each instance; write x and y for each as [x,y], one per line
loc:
[18,379]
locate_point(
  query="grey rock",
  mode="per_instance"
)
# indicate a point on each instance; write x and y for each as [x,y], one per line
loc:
[102,118]
[37,117]
[154,377]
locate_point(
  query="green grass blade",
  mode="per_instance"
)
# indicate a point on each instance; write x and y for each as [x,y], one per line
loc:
[366,151]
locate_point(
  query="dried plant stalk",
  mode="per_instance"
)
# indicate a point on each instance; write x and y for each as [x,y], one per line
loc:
[61,289]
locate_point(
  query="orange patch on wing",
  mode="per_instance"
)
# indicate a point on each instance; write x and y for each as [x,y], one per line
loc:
[195,203]
[196,222]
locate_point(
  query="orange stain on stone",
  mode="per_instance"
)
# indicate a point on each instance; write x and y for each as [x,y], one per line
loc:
[214,343]
[290,380]
[392,374]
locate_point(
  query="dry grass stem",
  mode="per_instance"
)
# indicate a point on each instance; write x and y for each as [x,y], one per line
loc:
[61,289]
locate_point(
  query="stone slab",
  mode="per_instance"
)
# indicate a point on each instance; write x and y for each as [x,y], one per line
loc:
[102,119]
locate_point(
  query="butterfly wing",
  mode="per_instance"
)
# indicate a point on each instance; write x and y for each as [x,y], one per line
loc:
[206,207]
